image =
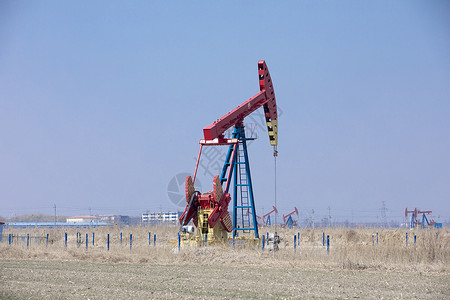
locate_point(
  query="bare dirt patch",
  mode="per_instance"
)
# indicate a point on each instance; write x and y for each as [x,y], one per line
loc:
[24,279]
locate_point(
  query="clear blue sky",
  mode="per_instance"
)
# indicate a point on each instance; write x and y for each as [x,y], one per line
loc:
[102,103]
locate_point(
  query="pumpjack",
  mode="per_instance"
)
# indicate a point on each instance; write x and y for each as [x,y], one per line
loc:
[415,219]
[209,211]
[266,218]
[288,221]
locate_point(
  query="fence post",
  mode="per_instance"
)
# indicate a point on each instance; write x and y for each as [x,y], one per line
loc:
[179,242]
[373,240]
[263,242]
[107,241]
[323,238]
[9,239]
[131,240]
[377,238]
[93,237]
[414,239]
[86,241]
[150,237]
[298,238]
[28,239]
[46,241]
[206,239]
[154,240]
[65,239]
[121,238]
[328,244]
[295,243]
[406,239]
[233,240]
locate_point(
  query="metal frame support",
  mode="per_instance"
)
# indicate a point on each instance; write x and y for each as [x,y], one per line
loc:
[232,164]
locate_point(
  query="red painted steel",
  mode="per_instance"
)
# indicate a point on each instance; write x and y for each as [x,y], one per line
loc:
[217,200]
[265,98]
[285,217]
[266,215]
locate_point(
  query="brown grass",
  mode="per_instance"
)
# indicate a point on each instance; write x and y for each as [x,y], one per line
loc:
[351,249]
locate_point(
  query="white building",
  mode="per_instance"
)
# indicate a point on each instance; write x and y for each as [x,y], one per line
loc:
[82,219]
[160,217]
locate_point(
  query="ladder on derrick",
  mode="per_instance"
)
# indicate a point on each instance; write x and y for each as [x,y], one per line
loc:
[243,200]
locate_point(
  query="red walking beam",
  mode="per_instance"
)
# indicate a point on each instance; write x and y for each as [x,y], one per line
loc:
[265,98]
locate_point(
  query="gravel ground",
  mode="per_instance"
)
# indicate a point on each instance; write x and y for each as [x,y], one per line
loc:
[40,279]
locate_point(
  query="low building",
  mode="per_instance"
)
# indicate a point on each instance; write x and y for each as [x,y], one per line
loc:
[160,217]
[115,219]
[23,225]
[83,219]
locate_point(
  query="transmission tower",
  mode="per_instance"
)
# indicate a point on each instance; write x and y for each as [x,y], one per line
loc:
[383,211]
[329,216]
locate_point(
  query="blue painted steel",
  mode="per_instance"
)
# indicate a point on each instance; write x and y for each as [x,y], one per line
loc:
[414,239]
[9,239]
[233,241]
[377,238]
[295,243]
[290,222]
[28,239]
[150,238]
[263,242]
[268,222]
[1,231]
[328,244]
[298,238]
[406,239]
[323,238]
[413,218]
[65,239]
[46,241]
[425,219]
[131,240]
[86,241]
[179,242]
[373,240]
[121,238]
[154,240]
[93,238]
[107,242]
[206,239]
[240,166]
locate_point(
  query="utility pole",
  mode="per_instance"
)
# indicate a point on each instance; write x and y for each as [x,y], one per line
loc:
[90,217]
[54,206]
[383,214]
[329,215]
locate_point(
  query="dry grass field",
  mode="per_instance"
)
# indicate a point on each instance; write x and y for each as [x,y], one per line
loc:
[356,266]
